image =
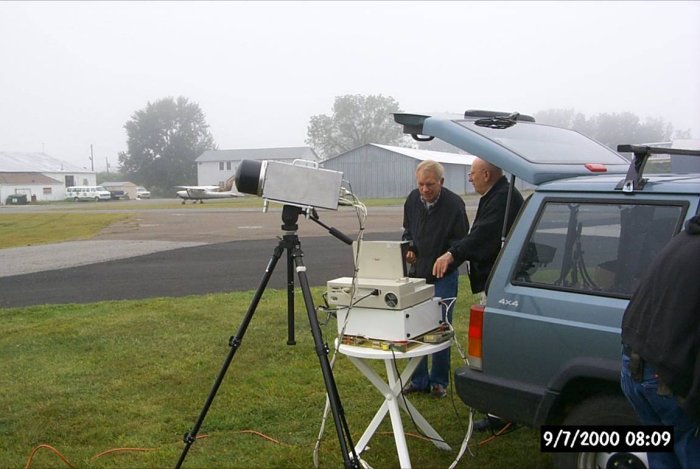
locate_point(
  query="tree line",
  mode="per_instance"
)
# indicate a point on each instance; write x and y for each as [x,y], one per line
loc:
[165,138]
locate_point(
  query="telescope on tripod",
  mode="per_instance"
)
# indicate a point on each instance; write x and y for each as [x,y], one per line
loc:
[300,187]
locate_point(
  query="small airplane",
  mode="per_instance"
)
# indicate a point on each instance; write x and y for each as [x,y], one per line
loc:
[203,193]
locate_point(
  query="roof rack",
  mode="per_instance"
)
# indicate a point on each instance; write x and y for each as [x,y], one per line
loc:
[634,179]
[479,113]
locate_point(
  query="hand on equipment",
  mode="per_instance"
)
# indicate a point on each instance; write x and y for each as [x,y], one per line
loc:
[441,264]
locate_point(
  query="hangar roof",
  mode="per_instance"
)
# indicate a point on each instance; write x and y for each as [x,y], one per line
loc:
[35,162]
[277,154]
[439,156]
[27,178]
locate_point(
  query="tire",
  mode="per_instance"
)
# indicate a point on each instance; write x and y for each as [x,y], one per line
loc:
[603,409]
[76,199]
[97,199]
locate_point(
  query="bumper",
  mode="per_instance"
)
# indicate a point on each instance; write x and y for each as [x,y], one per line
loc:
[512,401]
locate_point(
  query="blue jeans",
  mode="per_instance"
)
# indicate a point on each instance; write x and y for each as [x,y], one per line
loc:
[445,287]
[654,409]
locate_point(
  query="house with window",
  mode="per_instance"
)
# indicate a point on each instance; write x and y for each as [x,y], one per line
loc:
[214,167]
[39,176]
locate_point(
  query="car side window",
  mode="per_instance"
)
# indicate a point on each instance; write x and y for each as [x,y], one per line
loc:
[601,248]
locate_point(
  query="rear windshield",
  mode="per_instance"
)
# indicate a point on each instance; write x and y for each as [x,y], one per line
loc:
[539,143]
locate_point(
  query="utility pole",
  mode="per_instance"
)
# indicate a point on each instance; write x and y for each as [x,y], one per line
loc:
[92,159]
[107,163]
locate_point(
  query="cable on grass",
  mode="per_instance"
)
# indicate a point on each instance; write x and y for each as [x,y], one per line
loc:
[414,435]
[142,450]
[263,436]
[503,431]
[58,453]
[120,450]
[254,432]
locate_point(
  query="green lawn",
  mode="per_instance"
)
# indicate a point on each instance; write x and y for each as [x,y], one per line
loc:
[26,229]
[117,384]
[87,379]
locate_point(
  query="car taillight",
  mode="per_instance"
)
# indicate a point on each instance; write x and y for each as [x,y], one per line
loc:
[476,333]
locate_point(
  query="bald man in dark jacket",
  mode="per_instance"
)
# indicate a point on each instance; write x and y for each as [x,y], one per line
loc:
[483,243]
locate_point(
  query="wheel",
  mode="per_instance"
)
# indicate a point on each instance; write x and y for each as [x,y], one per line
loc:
[604,409]
[76,199]
[97,199]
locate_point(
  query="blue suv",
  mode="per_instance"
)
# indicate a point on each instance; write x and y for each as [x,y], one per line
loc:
[545,349]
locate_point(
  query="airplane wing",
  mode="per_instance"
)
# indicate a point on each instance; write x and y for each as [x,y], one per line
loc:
[199,188]
[205,192]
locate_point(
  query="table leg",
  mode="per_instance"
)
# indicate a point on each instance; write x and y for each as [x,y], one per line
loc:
[406,405]
[393,402]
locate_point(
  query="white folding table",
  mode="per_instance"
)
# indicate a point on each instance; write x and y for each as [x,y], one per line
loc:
[391,390]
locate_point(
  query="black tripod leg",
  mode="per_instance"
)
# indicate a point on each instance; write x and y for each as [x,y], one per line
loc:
[341,424]
[234,342]
[290,291]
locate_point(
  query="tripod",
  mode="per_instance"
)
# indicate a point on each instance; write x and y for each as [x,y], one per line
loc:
[291,244]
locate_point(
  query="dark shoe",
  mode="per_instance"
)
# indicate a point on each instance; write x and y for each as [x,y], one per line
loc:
[438,390]
[490,423]
[410,388]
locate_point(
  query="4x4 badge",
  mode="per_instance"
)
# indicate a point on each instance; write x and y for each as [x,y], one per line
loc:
[504,302]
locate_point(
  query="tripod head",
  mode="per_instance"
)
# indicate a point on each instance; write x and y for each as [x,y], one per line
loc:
[290,216]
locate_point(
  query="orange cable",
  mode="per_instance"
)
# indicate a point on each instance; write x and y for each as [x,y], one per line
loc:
[115,450]
[31,456]
[261,436]
[500,432]
[414,435]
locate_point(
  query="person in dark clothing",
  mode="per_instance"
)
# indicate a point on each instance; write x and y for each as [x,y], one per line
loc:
[661,347]
[434,218]
[483,243]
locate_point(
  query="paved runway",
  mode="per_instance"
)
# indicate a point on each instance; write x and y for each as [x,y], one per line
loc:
[181,251]
[201,269]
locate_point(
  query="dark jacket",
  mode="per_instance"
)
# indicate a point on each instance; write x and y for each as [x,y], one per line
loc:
[662,321]
[433,231]
[482,245]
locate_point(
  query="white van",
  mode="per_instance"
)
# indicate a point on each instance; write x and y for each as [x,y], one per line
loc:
[96,193]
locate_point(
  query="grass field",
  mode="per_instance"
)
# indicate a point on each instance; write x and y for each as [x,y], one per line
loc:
[87,379]
[116,384]
[26,229]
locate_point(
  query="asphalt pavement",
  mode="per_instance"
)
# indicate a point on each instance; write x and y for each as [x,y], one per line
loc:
[179,252]
[197,270]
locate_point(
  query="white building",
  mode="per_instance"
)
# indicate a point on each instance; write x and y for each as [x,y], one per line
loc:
[39,176]
[214,167]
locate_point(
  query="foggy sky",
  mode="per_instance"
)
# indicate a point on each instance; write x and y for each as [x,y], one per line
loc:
[74,73]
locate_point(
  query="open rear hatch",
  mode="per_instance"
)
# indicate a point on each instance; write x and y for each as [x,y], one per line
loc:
[533,152]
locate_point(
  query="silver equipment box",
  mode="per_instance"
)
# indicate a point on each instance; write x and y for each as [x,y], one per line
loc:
[302,183]
[390,325]
[396,294]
